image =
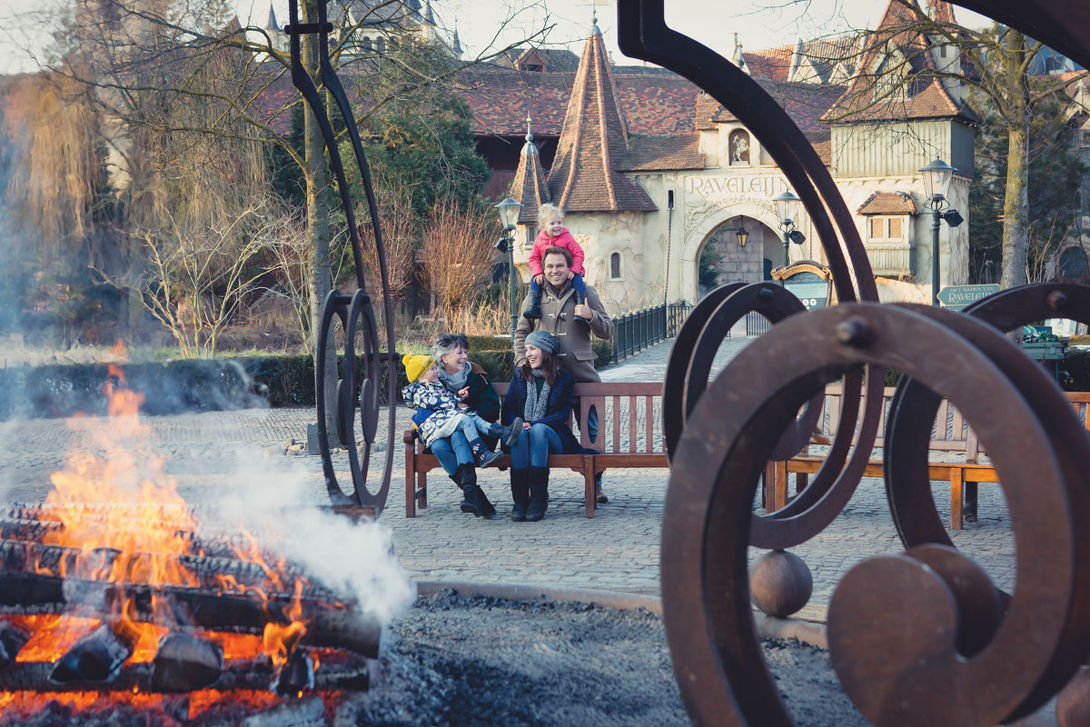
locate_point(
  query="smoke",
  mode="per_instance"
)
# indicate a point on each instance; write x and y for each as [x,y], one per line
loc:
[274,498]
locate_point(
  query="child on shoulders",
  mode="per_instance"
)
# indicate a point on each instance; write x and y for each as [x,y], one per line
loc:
[440,413]
[554,234]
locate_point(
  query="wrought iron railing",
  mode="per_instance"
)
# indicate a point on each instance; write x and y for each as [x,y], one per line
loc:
[640,329]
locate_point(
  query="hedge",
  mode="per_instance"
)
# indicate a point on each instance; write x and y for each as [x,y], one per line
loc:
[193,385]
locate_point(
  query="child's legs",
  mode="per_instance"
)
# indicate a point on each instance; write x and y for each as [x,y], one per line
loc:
[579,285]
[479,424]
[520,452]
[535,288]
[468,428]
[543,439]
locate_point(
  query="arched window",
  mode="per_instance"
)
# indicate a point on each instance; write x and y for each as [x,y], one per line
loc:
[380,45]
[615,266]
[738,143]
[366,45]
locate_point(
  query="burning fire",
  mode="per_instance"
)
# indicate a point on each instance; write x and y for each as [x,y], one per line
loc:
[121,520]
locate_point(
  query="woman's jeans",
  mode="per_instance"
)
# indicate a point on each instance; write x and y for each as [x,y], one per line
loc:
[533,447]
[452,452]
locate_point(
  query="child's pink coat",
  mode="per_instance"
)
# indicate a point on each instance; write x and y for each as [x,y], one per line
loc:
[565,240]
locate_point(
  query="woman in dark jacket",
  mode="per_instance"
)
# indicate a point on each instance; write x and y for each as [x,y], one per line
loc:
[470,384]
[541,393]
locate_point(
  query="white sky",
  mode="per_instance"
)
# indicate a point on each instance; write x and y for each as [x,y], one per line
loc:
[759,23]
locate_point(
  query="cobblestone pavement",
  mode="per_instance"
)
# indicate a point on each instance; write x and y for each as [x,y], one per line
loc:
[617,550]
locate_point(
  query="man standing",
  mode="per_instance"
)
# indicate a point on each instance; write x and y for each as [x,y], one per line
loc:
[558,317]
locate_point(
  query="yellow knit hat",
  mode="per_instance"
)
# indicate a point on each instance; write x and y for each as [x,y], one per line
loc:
[416,364]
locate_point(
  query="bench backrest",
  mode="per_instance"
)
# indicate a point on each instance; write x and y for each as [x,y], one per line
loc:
[629,416]
[951,431]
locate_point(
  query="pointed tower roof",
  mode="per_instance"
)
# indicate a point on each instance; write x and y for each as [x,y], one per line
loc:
[593,143]
[940,11]
[272,24]
[737,59]
[429,16]
[528,188]
[456,45]
[925,96]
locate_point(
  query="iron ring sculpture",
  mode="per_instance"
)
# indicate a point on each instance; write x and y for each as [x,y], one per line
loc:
[350,393]
[707,523]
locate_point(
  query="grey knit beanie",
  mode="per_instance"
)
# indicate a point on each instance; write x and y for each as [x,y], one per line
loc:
[544,340]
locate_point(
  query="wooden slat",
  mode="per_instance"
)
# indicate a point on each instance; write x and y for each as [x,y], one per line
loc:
[649,428]
[632,431]
[939,430]
[616,424]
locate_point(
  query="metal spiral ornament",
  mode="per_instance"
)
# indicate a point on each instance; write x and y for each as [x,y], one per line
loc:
[923,637]
[362,381]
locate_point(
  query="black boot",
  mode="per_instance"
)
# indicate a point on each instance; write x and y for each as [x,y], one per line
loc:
[534,311]
[520,494]
[509,434]
[473,497]
[482,454]
[580,299]
[539,493]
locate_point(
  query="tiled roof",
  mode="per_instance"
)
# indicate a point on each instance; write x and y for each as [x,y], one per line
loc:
[805,103]
[656,153]
[272,105]
[653,103]
[555,59]
[889,203]
[773,63]
[528,187]
[593,141]
[925,98]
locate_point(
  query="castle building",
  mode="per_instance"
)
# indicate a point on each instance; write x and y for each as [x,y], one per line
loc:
[648,206]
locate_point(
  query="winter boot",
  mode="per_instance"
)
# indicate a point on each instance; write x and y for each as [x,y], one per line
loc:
[482,454]
[580,299]
[474,499]
[539,493]
[509,434]
[534,311]
[520,494]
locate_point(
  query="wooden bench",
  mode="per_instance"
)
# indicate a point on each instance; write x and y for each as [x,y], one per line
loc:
[629,436]
[951,436]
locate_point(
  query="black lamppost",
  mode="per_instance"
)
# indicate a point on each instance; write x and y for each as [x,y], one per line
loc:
[936,178]
[508,211]
[787,205]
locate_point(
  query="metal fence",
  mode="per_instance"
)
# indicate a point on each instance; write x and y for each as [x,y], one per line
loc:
[635,331]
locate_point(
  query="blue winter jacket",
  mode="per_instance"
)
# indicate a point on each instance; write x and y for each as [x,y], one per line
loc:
[557,410]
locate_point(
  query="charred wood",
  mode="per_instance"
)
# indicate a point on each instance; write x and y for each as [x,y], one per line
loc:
[97,657]
[185,663]
[12,639]
[328,624]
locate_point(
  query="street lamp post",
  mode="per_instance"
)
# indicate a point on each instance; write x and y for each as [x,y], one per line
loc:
[936,179]
[787,205]
[508,211]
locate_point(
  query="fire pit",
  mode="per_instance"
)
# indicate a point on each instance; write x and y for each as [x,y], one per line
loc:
[115,593]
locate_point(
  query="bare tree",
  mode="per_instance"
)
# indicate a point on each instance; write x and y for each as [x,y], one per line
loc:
[458,255]
[199,273]
[899,62]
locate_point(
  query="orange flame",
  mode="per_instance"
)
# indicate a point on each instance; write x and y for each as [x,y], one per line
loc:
[122,515]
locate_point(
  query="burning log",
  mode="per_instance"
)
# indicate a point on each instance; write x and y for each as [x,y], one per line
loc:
[328,624]
[296,675]
[11,640]
[337,672]
[97,657]
[185,663]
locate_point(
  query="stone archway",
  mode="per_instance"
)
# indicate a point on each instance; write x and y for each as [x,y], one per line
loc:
[718,229]
[722,258]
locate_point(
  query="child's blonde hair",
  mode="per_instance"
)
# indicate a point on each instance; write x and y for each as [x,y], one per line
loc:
[547,211]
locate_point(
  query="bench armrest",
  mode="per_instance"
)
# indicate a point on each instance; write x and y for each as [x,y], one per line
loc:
[409,436]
